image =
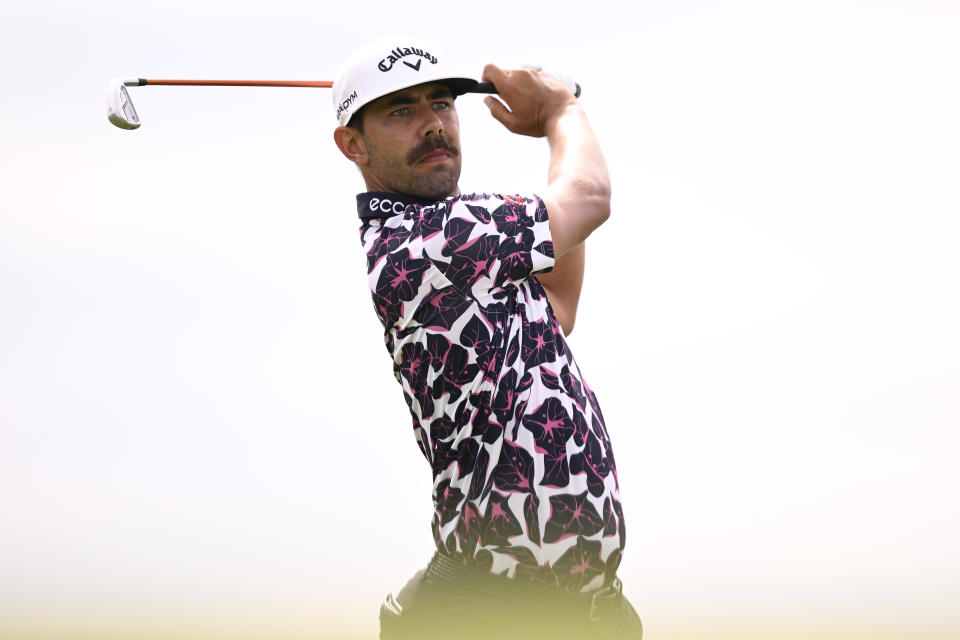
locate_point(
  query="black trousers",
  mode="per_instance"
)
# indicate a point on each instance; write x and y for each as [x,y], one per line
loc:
[451,601]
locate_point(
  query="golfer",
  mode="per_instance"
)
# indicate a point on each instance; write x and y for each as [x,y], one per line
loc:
[476,293]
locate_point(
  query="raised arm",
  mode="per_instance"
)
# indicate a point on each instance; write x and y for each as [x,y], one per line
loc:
[578,187]
[578,184]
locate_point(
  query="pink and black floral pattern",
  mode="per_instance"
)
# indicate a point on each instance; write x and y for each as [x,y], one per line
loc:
[524,477]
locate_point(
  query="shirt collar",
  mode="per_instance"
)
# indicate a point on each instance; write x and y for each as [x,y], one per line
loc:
[381,204]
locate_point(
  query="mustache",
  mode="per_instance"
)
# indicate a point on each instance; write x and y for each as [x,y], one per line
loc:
[432,144]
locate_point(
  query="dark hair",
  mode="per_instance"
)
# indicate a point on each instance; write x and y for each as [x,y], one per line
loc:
[356,121]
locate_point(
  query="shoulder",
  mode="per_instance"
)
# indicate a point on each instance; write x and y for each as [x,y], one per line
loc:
[493,200]
[502,214]
[526,209]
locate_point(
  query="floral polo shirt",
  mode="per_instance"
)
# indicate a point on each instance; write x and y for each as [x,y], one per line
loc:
[524,481]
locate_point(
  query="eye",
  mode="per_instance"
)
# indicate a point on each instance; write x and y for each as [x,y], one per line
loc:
[402,111]
[441,105]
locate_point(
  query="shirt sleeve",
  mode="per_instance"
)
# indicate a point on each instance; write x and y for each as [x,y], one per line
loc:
[489,243]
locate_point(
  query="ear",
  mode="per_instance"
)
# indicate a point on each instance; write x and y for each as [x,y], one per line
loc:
[351,145]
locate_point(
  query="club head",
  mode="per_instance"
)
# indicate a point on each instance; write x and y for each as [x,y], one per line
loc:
[120,109]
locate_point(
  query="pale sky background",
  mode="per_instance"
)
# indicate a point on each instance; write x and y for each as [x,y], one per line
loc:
[199,426]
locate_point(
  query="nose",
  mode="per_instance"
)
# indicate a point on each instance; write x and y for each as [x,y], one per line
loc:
[433,125]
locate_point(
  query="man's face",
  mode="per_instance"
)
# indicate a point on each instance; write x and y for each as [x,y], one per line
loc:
[412,138]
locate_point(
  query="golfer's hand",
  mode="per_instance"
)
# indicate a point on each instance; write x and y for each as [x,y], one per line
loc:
[533,99]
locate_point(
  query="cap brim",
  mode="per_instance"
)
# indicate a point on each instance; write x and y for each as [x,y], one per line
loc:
[459,86]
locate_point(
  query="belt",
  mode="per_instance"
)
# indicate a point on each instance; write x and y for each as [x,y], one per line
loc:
[594,605]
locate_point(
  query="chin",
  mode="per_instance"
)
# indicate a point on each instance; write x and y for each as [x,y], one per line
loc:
[436,187]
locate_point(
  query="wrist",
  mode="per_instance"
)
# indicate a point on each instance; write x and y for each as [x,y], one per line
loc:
[554,121]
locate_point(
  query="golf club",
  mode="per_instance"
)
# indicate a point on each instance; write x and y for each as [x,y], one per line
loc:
[121,112]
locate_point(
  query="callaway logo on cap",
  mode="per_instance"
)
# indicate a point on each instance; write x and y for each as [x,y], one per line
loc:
[388,65]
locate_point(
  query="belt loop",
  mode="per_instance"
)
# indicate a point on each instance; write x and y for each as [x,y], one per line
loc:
[614,591]
[594,608]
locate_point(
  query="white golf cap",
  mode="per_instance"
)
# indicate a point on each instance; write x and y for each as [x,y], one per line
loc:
[388,65]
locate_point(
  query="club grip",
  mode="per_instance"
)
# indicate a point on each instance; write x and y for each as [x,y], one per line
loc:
[484,87]
[487,87]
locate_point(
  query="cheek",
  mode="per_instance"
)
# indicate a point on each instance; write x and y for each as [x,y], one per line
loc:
[384,151]
[451,124]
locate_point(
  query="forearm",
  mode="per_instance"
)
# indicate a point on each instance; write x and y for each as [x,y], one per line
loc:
[578,183]
[576,160]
